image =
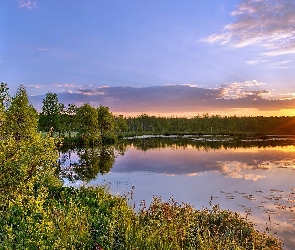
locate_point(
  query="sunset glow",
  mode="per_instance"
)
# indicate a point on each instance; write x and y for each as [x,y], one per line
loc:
[229,57]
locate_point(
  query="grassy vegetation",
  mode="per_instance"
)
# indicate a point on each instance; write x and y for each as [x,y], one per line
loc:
[88,218]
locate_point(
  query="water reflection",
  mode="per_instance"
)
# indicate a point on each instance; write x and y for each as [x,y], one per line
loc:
[86,163]
[254,178]
[236,159]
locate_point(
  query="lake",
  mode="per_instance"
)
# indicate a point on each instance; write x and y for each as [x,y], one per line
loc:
[254,177]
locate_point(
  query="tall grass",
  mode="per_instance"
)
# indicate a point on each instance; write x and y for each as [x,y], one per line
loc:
[92,218]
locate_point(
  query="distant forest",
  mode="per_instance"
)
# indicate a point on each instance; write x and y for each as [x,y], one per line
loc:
[205,124]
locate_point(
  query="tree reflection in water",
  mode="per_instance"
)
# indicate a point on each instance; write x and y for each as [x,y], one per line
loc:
[86,163]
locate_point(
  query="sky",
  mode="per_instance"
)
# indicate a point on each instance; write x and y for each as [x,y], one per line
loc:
[188,58]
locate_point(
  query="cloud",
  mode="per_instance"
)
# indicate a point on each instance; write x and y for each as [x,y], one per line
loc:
[42,49]
[29,4]
[281,64]
[239,170]
[172,99]
[237,90]
[270,65]
[58,87]
[257,61]
[266,23]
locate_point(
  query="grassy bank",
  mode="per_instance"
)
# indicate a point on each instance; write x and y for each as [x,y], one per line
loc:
[92,218]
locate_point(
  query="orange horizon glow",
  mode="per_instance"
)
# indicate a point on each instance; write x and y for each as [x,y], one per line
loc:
[236,112]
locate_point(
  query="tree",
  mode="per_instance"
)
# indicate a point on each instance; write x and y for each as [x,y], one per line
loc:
[120,124]
[87,125]
[2,122]
[21,117]
[27,173]
[27,165]
[50,115]
[71,118]
[4,95]
[106,122]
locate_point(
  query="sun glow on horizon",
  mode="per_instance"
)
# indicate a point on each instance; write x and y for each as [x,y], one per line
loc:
[190,114]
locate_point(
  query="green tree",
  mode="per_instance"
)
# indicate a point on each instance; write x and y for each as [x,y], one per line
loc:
[21,117]
[120,124]
[71,118]
[62,119]
[27,165]
[50,116]
[4,95]
[27,172]
[106,122]
[2,122]
[87,125]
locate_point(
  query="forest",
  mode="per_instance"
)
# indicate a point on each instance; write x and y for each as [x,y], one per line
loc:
[38,212]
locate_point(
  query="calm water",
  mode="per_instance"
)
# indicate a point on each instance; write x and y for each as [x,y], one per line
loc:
[255,179]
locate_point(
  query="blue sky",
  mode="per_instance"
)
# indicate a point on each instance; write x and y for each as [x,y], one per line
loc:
[158,57]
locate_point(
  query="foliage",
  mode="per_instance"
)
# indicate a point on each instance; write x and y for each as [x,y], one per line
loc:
[50,116]
[120,124]
[21,118]
[4,95]
[205,124]
[88,123]
[27,172]
[2,121]
[86,218]
[106,122]
[27,165]
[70,118]
[4,99]
[169,225]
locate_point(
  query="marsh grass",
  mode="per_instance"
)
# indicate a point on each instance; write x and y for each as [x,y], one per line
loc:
[92,218]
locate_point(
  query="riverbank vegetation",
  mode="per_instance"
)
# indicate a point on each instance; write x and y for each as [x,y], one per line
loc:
[38,212]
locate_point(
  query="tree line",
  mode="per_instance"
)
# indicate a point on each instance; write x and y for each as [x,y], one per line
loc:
[87,122]
[216,124]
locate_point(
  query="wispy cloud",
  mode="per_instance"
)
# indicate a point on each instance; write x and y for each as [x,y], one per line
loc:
[56,85]
[266,23]
[270,64]
[29,4]
[42,49]
[256,61]
[36,89]
[281,64]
